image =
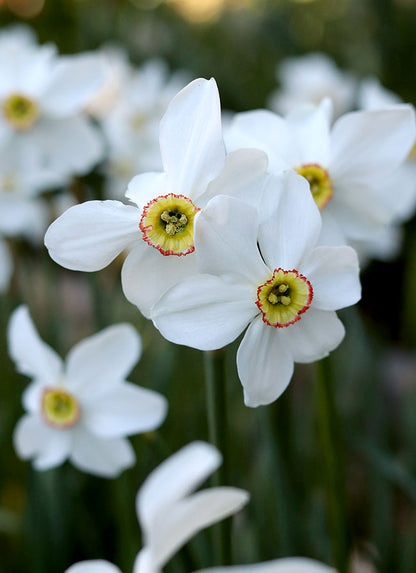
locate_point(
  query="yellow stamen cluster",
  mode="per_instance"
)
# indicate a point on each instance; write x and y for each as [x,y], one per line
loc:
[167,224]
[284,297]
[20,111]
[319,181]
[60,408]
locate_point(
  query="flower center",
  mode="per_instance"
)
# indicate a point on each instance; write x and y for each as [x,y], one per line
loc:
[412,153]
[20,111]
[7,183]
[284,297]
[60,408]
[167,224]
[319,181]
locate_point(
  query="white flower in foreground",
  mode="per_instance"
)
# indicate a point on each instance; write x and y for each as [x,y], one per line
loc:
[270,277]
[309,79]
[159,229]
[287,565]
[169,514]
[41,101]
[82,409]
[345,165]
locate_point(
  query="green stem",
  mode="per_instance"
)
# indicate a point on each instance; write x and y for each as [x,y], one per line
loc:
[334,468]
[217,430]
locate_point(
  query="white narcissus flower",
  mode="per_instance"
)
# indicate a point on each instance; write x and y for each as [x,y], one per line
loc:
[270,277]
[159,229]
[345,165]
[41,101]
[287,565]
[170,514]
[82,409]
[309,79]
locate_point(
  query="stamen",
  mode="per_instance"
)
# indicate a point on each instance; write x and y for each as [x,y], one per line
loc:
[319,182]
[167,224]
[284,298]
[20,111]
[60,408]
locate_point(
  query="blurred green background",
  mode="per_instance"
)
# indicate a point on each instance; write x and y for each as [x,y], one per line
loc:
[49,520]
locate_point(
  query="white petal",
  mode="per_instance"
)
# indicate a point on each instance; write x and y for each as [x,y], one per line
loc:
[334,275]
[54,451]
[48,446]
[101,457]
[31,355]
[369,145]
[287,565]
[226,240]
[147,274]
[191,138]
[21,216]
[262,129]
[293,229]
[205,312]
[309,126]
[6,266]
[126,410]
[74,80]
[32,396]
[186,518]
[174,479]
[244,176]
[93,566]
[30,436]
[264,363]
[65,145]
[314,335]
[88,237]
[147,186]
[100,362]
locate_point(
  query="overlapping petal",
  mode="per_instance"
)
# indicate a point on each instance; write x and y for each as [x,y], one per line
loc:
[288,234]
[191,141]
[205,311]
[225,235]
[147,274]
[175,478]
[193,514]
[89,236]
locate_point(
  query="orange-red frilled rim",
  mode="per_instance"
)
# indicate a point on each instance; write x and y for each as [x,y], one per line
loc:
[284,298]
[319,181]
[167,224]
[60,408]
[20,111]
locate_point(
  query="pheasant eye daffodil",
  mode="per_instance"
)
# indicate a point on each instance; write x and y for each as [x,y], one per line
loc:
[159,229]
[170,514]
[345,164]
[268,276]
[81,409]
